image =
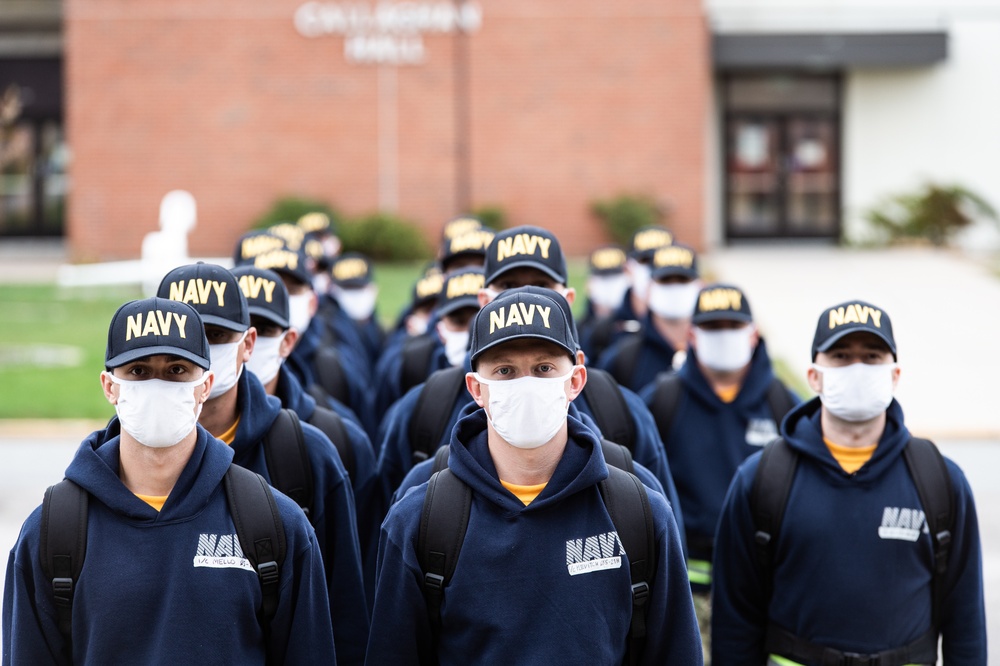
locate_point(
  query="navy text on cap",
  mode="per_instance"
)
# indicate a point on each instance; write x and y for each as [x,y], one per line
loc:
[266,294]
[212,290]
[721,302]
[526,246]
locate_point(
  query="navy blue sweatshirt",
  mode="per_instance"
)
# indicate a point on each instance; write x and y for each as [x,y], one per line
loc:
[364,483]
[144,598]
[840,580]
[656,355]
[709,439]
[512,598]
[332,514]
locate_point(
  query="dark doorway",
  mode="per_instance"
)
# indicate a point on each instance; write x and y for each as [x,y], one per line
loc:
[781,161]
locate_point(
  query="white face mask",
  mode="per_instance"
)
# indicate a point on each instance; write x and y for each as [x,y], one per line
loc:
[858,392]
[456,344]
[359,304]
[673,301]
[155,412]
[225,366]
[527,412]
[607,291]
[416,323]
[298,311]
[725,350]
[641,278]
[266,358]
[321,282]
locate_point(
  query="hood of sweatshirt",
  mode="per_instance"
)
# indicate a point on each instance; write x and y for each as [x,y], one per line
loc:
[752,393]
[581,466]
[96,465]
[803,431]
[257,412]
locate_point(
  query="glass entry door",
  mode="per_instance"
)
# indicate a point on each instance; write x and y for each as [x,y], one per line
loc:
[782,167]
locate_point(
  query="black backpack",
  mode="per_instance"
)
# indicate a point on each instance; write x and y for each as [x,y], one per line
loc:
[416,360]
[627,358]
[769,497]
[667,396]
[437,400]
[330,381]
[258,525]
[445,518]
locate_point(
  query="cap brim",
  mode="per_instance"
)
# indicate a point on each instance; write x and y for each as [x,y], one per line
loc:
[143,352]
[270,315]
[721,316]
[833,339]
[561,279]
[222,322]
[671,271]
[458,304]
[521,336]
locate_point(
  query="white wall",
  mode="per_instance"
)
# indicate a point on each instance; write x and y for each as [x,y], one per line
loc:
[903,127]
[940,124]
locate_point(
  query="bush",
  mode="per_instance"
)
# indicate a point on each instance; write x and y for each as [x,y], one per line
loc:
[384,237]
[492,216]
[935,213]
[290,209]
[623,215]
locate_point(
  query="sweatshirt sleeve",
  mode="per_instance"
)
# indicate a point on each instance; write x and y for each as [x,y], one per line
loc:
[739,608]
[963,618]
[672,635]
[401,631]
[301,631]
[30,629]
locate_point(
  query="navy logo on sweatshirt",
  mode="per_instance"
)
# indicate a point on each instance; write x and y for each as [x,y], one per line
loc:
[220,551]
[902,524]
[595,553]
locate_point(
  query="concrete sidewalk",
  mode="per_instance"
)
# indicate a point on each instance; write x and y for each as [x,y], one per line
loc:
[945,311]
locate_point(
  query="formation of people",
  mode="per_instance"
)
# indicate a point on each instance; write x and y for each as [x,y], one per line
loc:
[491,481]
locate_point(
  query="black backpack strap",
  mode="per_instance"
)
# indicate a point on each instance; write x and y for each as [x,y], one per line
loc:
[443,523]
[332,425]
[434,406]
[416,360]
[768,498]
[666,397]
[779,401]
[627,359]
[330,374]
[63,547]
[628,504]
[608,406]
[615,455]
[288,460]
[260,531]
[440,459]
[930,475]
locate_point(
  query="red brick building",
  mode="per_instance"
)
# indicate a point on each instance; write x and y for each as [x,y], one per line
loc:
[538,107]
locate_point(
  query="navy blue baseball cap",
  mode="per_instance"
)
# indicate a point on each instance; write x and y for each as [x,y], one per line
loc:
[352,270]
[253,243]
[647,241]
[156,326]
[526,246]
[285,262]
[852,317]
[427,288]
[460,290]
[472,243]
[674,259]
[460,225]
[516,315]
[265,292]
[607,260]
[212,290]
[721,302]
[560,301]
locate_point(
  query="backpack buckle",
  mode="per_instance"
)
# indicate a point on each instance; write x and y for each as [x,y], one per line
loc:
[268,572]
[762,538]
[856,659]
[640,593]
[62,590]
[434,581]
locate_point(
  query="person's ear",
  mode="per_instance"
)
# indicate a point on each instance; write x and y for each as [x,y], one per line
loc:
[475,389]
[288,343]
[313,303]
[206,387]
[815,379]
[484,298]
[108,386]
[576,382]
[248,343]
[570,295]
[754,337]
[895,377]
